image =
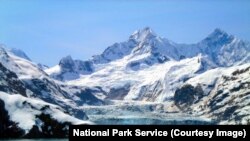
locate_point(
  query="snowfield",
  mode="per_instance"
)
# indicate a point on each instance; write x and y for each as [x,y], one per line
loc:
[24,111]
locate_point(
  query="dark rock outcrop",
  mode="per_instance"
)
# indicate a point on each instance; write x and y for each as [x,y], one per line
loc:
[72,69]
[187,95]
[10,82]
[86,97]
[51,128]
[118,93]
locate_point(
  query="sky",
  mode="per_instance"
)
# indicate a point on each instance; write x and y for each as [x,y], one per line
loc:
[47,30]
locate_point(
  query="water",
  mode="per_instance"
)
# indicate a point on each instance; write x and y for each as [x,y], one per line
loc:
[35,140]
[150,121]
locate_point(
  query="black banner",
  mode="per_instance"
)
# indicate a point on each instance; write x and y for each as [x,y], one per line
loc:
[167,131]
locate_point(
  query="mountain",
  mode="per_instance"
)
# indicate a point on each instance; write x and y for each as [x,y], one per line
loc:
[145,66]
[69,69]
[224,49]
[146,79]
[42,66]
[10,82]
[144,49]
[38,83]
[152,69]
[225,94]
[26,84]
[19,53]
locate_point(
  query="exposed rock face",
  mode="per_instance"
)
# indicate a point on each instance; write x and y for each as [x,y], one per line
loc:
[51,128]
[150,92]
[47,90]
[86,97]
[19,76]
[42,88]
[230,102]
[70,69]
[118,93]
[187,95]
[67,63]
[10,82]
[145,68]
[143,52]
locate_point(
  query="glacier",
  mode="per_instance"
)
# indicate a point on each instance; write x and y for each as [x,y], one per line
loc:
[146,79]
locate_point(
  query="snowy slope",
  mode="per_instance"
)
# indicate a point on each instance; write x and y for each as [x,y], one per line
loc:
[29,115]
[224,95]
[149,67]
[33,82]
[31,101]
[231,99]
[69,69]
[224,49]
[19,53]
[140,85]
[145,74]
[15,51]
[145,48]
[22,67]
[10,83]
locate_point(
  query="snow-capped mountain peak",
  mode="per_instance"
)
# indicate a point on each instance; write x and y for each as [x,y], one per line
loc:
[218,33]
[14,51]
[19,53]
[218,38]
[69,69]
[207,79]
[144,34]
[144,49]
[225,49]
[67,62]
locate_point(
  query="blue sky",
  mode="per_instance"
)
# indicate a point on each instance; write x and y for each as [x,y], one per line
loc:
[48,30]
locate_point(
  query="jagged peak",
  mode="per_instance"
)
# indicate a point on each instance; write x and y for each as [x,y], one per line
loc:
[68,60]
[218,37]
[68,57]
[143,34]
[218,32]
